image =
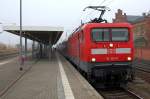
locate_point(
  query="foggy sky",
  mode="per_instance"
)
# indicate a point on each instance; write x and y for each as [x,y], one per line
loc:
[66,13]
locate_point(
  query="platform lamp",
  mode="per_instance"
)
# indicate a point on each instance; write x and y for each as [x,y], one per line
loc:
[20,52]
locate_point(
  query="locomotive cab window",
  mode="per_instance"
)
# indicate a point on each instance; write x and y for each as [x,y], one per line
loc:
[119,34]
[100,34]
[110,34]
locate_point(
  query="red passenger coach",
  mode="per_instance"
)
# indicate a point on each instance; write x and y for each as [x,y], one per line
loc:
[103,50]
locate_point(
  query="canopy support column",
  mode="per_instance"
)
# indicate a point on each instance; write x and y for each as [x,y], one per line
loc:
[26,47]
[50,47]
[41,50]
[33,46]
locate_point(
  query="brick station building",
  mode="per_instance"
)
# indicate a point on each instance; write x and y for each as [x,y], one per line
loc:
[141,26]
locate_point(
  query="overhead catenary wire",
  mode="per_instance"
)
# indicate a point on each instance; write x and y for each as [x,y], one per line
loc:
[93,10]
[91,2]
[84,19]
[107,3]
[110,2]
[102,2]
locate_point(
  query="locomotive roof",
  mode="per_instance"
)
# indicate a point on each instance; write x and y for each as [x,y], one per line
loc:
[90,25]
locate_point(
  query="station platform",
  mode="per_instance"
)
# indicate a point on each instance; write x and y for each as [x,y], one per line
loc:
[52,79]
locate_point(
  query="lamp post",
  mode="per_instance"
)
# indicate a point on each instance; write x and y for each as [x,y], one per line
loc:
[20,54]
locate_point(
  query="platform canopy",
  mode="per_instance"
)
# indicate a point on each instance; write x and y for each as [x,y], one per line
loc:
[43,34]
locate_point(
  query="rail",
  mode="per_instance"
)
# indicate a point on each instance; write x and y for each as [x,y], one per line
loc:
[133,94]
[142,65]
[8,55]
[119,93]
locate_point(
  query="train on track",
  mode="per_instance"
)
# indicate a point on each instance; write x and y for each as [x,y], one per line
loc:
[102,51]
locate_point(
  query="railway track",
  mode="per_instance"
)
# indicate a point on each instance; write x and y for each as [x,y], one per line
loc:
[143,66]
[142,69]
[7,54]
[119,93]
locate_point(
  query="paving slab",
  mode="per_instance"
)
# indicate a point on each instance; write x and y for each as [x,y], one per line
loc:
[38,83]
[45,80]
[9,71]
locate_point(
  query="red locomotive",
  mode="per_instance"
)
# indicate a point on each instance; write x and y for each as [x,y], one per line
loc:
[102,51]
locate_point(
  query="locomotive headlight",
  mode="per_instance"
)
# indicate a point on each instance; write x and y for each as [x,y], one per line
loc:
[111,45]
[129,58]
[93,59]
